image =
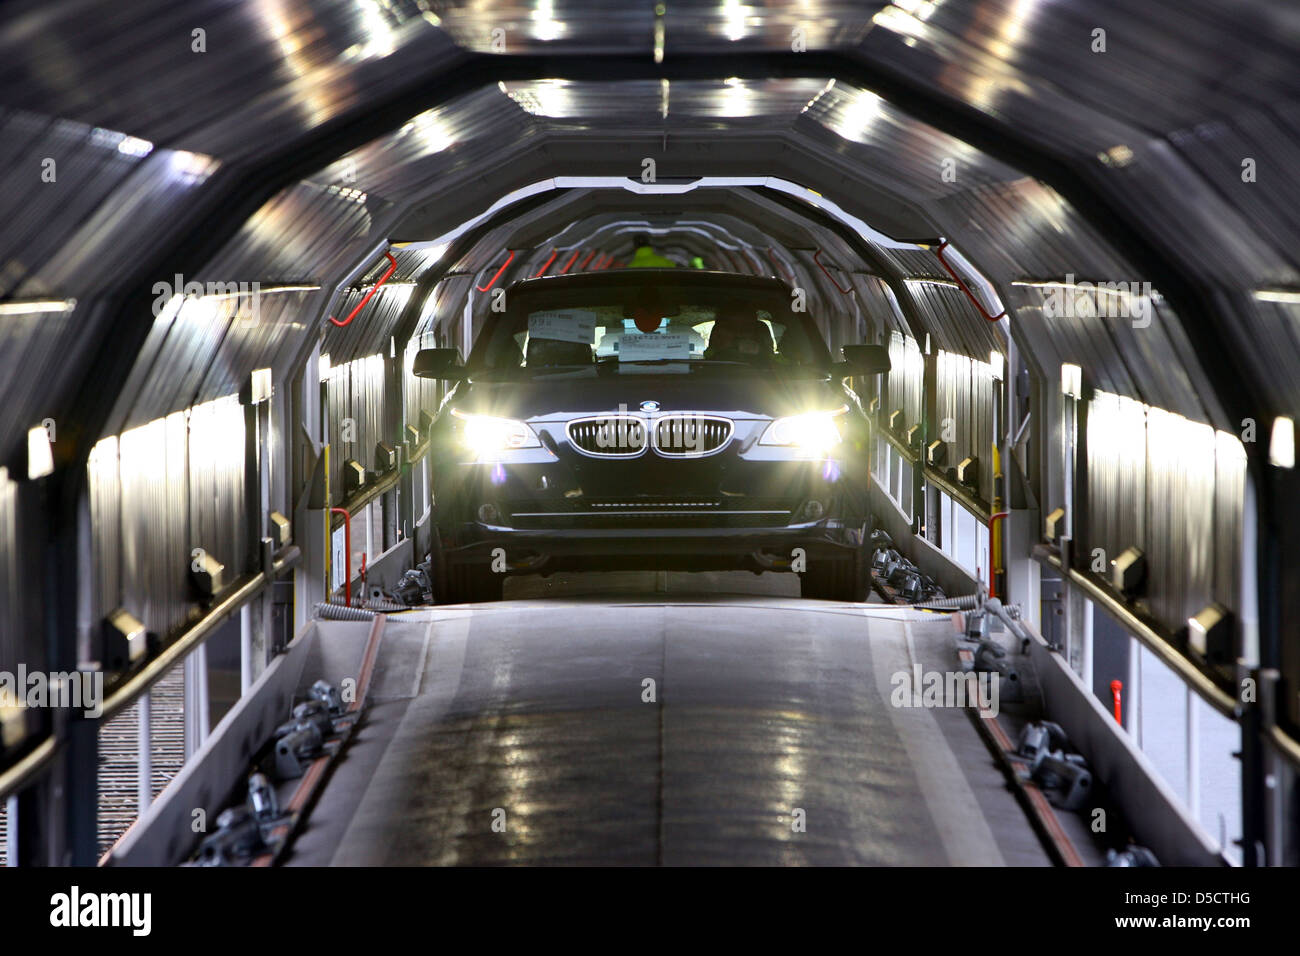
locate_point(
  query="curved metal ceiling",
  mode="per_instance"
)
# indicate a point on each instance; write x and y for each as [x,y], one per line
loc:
[924,118]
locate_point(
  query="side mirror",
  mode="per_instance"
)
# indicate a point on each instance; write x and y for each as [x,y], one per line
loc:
[438,363]
[866,359]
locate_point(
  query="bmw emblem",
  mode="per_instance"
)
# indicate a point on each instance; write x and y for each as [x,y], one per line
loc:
[649,406]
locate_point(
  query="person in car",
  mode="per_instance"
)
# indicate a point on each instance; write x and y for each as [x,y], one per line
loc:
[645,257]
[552,353]
[738,336]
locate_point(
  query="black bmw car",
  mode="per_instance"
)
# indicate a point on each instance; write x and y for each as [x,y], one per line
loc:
[650,419]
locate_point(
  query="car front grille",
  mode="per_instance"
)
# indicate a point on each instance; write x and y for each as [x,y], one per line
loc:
[690,436]
[680,435]
[608,436]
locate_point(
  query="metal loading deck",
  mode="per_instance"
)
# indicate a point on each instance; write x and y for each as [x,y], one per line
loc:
[733,730]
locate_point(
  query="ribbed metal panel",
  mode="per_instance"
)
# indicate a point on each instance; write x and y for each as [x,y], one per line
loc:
[905,380]
[1180,514]
[216,491]
[892,150]
[370,331]
[269,72]
[880,309]
[425,394]
[105,489]
[1229,514]
[41,216]
[71,229]
[1173,488]
[954,323]
[11,632]
[1117,475]
[355,398]
[157,492]
[964,410]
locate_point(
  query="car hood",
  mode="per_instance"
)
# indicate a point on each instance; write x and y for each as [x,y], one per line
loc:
[558,398]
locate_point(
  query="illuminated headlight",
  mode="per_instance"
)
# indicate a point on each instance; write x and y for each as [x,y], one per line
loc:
[813,433]
[486,436]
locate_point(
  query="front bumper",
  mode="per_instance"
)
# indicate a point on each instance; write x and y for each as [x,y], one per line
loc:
[746,506]
[704,531]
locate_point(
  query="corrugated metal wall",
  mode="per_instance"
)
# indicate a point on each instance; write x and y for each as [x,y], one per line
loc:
[10,625]
[964,410]
[355,397]
[423,394]
[905,380]
[157,492]
[1174,488]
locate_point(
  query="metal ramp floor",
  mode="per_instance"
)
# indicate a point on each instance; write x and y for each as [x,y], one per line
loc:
[518,733]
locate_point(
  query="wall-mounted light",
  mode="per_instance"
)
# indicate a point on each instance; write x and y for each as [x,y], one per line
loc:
[16,721]
[936,452]
[914,437]
[1053,524]
[1071,380]
[1209,634]
[896,420]
[281,529]
[412,435]
[873,406]
[1281,445]
[124,641]
[968,472]
[385,457]
[208,574]
[40,456]
[257,389]
[354,476]
[1128,572]
[997,365]
[324,367]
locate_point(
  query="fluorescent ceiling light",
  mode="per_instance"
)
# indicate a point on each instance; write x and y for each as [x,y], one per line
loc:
[1071,380]
[1281,446]
[40,456]
[1285,296]
[43,305]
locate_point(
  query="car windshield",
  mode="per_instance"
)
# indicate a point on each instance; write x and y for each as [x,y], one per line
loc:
[630,328]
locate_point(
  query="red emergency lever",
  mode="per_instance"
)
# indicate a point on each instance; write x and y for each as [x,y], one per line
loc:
[360,305]
[961,284]
[497,275]
[1116,687]
[817,258]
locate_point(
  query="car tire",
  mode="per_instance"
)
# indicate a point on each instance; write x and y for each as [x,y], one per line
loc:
[837,579]
[472,584]
[462,583]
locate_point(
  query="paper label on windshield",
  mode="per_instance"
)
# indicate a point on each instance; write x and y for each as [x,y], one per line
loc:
[653,347]
[563,325]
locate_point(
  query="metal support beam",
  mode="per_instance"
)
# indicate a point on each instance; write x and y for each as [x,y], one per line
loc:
[144,753]
[246,676]
[11,831]
[196,700]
